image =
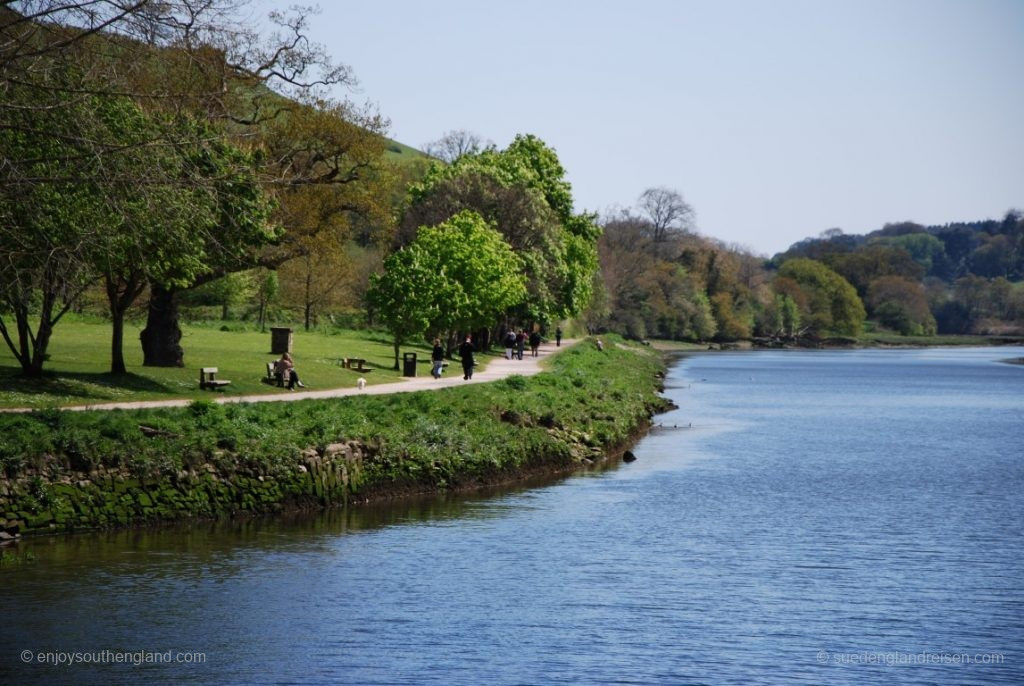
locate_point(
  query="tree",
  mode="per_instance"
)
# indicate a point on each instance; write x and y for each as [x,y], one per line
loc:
[173,55]
[861,267]
[323,161]
[93,223]
[670,215]
[924,248]
[732,325]
[901,304]
[458,275]
[456,143]
[831,303]
[314,279]
[177,60]
[522,191]
[42,267]
[238,229]
[267,288]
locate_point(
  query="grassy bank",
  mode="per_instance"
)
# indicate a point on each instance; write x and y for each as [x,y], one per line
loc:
[76,372]
[67,470]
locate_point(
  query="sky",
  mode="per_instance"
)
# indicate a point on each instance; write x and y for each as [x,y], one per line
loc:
[775,120]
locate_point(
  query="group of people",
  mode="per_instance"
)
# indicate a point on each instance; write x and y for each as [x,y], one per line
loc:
[466,351]
[515,343]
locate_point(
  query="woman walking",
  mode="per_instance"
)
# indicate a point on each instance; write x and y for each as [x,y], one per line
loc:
[466,351]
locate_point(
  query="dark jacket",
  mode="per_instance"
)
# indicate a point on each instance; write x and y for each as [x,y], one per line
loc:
[466,351]
[437,354]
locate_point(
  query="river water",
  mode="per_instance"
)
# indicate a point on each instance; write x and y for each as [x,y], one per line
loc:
[803,517]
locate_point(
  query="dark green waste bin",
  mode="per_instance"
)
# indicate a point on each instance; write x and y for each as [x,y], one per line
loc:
[408,364]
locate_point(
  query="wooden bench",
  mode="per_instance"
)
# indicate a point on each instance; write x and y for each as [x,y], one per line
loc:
[360,364]
[208,379]
[272,377]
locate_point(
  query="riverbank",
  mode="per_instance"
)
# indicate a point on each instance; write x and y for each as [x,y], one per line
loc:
[872,340]
[68,471]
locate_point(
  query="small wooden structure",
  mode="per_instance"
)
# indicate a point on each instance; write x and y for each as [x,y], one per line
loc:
[280,340]
[356,363]
[272,376]
[208,379]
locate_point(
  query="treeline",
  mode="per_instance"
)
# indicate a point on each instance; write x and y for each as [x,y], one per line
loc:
[661,279]
[955,278]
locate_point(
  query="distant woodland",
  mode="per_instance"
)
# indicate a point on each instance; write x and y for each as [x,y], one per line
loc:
[905,278]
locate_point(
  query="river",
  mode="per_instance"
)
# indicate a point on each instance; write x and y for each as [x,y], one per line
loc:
[839,517]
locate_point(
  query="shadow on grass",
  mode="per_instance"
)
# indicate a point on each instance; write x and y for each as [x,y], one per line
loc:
[77,384]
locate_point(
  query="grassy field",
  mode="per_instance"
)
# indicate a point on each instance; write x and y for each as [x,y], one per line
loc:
[76,372]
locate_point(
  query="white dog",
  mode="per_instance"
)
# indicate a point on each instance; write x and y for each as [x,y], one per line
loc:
[361,383]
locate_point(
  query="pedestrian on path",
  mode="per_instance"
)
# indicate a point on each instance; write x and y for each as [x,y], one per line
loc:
[520,343]
[437,357]
[558,337]
[534,342]
[510,343]
[466,351]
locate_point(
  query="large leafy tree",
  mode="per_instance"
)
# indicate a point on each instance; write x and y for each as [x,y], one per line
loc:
[71,216]
[522,190]
[832,304]
[239,227]
[457,275]
[902,305]
[179,61]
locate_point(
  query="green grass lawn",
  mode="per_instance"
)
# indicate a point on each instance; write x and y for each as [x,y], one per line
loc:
[76,372]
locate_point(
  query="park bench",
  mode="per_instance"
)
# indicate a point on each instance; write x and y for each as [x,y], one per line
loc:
[208,379]
[357,363]
[272,377]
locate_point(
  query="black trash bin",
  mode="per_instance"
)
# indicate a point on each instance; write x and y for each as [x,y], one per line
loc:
[408,364]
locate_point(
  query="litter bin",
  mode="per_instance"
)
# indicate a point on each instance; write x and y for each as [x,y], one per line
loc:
[280,340]
[408,364]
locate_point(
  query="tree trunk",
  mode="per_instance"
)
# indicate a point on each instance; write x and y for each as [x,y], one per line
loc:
[308,304]
[42,341]
[160,338]
[117,365]
[120,296]
[397,344]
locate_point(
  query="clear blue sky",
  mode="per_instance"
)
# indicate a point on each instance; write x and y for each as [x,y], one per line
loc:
[775,120]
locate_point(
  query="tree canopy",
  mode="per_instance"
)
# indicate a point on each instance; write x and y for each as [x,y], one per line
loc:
[523,192]
[456,276]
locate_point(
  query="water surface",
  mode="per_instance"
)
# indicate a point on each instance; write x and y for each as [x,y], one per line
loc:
[803,517]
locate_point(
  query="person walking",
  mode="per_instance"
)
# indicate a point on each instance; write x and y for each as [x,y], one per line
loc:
[520,343]
[466,351]
[437,357]
[534,343]
[510,343]
[558,337]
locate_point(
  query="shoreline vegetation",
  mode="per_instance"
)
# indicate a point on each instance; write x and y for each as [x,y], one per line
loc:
[72,471]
